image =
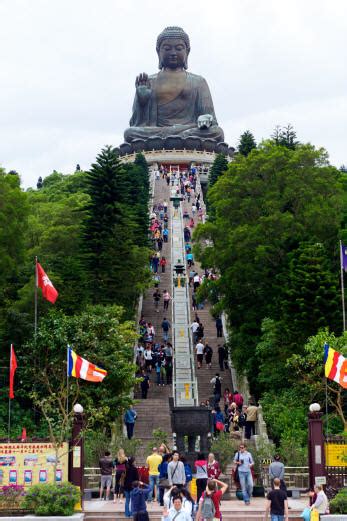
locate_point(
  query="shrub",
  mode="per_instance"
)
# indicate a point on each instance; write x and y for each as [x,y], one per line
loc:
[224,448]
[52,500]
[338,505]
[10,495]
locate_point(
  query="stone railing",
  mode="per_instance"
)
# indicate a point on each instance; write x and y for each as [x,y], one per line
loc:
[185,389]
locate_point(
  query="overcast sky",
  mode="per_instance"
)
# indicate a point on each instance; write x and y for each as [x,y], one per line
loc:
[67,71]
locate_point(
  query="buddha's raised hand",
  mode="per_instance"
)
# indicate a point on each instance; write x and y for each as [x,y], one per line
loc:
[142,80]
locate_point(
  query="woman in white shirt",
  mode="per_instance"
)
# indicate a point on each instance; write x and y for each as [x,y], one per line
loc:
[187,500]
[321,504]
[148,358]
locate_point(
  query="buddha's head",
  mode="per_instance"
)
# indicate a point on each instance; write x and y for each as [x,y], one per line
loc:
[173,47]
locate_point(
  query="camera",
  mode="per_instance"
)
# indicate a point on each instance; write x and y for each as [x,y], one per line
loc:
[242,461]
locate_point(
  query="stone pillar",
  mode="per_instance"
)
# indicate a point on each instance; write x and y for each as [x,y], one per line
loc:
[316,452]
[180,443]
[204,443]
[191,443]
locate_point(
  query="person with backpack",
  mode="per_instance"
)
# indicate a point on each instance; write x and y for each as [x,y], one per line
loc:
[209,503]
[217,388]
[208,352]
[187,470]
[175,471]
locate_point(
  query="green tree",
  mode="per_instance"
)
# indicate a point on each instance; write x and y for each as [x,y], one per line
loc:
[101,335]
[115,259]
[220,165]
[13,228]
[310,299]
[266,205]
[247,143]
[285,136]
[308,368]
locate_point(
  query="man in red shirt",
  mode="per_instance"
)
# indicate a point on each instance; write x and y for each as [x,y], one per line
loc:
[215,494]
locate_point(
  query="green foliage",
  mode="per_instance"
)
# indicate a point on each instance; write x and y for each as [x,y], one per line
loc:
[13,228]
[224,447]
[338,505]
[158,437]
[263,450]
[114,229]
[220,165]
[98,334]
[285,414]
[307,367]
[247,143]
[89,230]
[270,210]
[97,442]
[52,500]
[285,137]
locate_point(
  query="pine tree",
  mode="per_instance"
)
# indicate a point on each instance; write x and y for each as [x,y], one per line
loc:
[310,295]
[115,229]
[247,143]
[220,165]
[285,137]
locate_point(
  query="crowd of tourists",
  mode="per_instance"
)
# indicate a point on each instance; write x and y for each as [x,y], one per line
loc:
[169,478]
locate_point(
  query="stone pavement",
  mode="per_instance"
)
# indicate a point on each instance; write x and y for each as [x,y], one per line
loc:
[234,510]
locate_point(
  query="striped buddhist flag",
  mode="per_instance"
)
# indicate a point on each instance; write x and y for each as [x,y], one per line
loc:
[335,366]
[81,368]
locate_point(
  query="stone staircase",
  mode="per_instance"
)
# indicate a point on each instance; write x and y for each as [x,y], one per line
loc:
[153,413]
[204,375]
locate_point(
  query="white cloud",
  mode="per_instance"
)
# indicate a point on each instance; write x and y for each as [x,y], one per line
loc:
[68,69]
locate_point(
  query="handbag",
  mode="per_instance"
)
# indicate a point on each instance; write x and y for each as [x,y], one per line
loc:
[164,483]
[314,515]
[236,470]
[220,426]
[306,514]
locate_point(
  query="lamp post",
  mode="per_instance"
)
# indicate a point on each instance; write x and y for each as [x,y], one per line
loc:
[178,273]
[176,200]
[77,448]
[316,444]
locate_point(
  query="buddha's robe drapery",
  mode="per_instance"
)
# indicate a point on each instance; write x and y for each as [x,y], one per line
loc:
[177,117]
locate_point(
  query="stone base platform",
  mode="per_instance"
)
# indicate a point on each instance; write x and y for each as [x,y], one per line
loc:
[175,157]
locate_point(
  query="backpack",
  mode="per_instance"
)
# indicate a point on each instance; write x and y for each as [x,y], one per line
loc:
[217,386]
[208,509]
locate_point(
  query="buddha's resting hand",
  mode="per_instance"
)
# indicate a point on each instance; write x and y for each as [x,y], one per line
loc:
[205,121]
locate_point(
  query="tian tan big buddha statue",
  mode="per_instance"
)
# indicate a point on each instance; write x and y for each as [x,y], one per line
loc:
[173,108]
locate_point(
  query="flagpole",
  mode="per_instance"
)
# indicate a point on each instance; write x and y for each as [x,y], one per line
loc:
[9,420]
[67,381]
[35,325]
[342,289]
[326,407]
[9,400]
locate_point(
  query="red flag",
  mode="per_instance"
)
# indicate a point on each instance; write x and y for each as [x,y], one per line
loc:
[13,367]
[48,290]
[24,434]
